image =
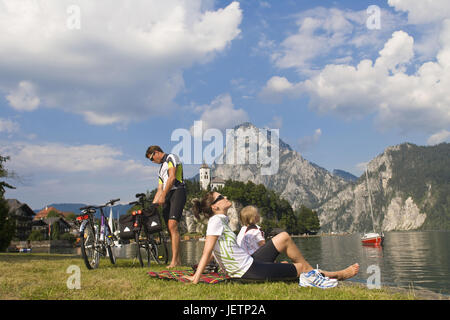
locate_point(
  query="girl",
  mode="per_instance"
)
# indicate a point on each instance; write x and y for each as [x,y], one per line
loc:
[251,237]
[221,243]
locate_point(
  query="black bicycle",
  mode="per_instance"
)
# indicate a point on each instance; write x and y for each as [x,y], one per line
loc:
[148,232]
[96,238]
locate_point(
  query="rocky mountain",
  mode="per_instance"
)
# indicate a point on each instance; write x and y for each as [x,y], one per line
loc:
[409,187]
[297,180]
[345,175]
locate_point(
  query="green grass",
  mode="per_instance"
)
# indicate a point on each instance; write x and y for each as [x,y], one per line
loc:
[44,276]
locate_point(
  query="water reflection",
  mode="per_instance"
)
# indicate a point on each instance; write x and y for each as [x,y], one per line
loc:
[191,251]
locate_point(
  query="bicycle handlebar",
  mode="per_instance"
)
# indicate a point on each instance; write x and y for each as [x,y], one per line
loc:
[111,202]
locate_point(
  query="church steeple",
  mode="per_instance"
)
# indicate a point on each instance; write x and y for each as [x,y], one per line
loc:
[205,176]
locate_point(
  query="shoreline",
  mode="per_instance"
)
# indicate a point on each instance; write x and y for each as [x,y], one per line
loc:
[419,294]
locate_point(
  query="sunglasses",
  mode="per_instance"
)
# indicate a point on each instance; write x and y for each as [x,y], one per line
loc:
[151,156]
[220,197]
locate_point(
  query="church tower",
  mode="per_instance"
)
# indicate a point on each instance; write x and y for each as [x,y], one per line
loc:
[205,176]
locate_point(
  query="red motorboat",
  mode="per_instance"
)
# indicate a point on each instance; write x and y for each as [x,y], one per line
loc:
[372,239]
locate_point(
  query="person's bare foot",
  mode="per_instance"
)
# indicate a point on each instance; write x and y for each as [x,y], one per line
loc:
[344,274]
[173,265]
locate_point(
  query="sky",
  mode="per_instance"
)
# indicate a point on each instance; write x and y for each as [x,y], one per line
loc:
[87,86]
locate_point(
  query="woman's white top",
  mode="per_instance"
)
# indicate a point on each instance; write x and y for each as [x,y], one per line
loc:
[228,254]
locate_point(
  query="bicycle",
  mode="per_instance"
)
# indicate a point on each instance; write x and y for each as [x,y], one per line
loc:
[96,240]
[148,233]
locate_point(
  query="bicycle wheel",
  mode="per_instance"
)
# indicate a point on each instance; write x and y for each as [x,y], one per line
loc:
[109,243]
[158,248]
[89,244]
[142,245]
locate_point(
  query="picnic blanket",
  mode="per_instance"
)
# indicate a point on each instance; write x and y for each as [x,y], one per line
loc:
[180,275]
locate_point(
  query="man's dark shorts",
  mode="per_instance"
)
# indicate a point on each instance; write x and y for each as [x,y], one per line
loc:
[174,205]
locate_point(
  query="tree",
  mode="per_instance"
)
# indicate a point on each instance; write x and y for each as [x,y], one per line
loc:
[55,234]
[307,220]
[275,211]
[53,214]
[7,225]
[36,235]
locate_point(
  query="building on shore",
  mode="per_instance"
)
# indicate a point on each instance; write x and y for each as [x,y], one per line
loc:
[23,215]
[206,180]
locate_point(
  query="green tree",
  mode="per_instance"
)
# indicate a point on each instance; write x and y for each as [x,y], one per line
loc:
[275,211]
[53,214]
[7,225]
[71,216]
[307,220]
[55,233]
[36,235]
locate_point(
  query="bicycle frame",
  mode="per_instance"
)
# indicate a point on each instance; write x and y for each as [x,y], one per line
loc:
[100,238]
[104,227]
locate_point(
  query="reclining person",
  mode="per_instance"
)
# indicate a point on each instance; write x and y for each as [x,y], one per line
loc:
[221,243]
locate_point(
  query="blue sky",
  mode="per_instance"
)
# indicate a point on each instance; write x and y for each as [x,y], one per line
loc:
[86,87]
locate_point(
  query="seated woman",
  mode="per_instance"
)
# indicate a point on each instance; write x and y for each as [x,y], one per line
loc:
[221,243]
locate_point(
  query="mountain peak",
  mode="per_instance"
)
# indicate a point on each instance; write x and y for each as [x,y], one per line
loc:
[249,125]
[245,125]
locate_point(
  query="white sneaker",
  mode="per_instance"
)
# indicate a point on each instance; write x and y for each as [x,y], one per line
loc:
[316,279]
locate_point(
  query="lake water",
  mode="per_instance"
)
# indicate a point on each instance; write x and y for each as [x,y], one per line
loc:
[419,260]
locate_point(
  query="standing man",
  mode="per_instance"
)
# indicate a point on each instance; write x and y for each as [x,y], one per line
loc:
[171,194]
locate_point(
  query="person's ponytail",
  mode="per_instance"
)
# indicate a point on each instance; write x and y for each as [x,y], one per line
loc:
[203,206]
[196,208]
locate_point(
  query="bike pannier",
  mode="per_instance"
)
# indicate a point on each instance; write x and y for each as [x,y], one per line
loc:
[152,220]
[126,223]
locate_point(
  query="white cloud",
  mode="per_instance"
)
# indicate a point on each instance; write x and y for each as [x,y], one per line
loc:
[23,97]
[406,100]
[396,52]
[329,34]
[65,159]
[439,137]
[421,11]
[306,143]
[124,64]
[220,114]
[277,88]
[54,172]
[427,17]
[9,126]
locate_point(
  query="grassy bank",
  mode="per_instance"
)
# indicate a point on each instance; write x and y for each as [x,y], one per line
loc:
[44,276]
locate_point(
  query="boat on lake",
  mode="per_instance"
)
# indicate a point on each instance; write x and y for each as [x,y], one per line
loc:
[372,238]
